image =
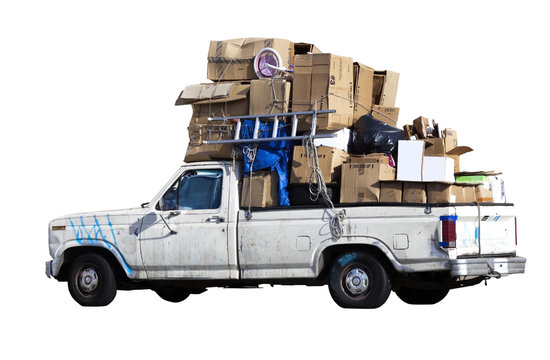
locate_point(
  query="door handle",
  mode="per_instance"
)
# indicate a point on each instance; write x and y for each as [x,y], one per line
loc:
[216,219]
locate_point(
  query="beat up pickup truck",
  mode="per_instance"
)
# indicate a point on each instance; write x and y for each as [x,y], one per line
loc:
[194,235]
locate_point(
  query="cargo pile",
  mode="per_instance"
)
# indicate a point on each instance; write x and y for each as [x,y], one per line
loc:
[368,159]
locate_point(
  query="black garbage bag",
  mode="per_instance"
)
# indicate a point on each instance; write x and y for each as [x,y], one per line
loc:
[373,136]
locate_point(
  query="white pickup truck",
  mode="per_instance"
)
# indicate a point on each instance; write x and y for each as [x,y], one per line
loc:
[194,235]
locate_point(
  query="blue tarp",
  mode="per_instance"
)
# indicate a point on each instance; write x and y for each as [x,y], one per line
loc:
[272,155]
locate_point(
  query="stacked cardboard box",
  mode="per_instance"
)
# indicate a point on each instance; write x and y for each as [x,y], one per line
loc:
[426,163]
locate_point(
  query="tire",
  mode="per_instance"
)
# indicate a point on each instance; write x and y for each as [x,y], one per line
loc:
[174,295]
[92,281]
[359,280]
[421,296]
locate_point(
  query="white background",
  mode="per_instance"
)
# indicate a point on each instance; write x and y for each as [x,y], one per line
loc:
[88,122]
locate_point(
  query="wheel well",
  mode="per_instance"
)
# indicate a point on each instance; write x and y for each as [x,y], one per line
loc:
[331,253]
[72,253]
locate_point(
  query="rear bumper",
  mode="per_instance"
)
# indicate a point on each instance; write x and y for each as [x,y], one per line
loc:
[495,266]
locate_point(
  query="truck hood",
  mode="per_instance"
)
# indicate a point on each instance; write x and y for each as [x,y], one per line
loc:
[106,227]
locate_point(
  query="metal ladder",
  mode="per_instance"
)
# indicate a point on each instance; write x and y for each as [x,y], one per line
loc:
[255,138]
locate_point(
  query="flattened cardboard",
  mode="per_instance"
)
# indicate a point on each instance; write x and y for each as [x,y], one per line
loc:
[269,96]
[330,164]
[197,151]
[213,93]
[414,192]
[391,191]
[386,114]
[264,190]
[363,77]
[233,59]
[361,182]
[410,154]
[385,88]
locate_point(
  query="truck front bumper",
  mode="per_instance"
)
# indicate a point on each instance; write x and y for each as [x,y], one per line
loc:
[490,266]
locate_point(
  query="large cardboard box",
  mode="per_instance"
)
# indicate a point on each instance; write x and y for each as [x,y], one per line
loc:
[198,151]
[330,164]
[438,169]
[414,192]
[410,154]
[489,185]
[469,193]
[323,82]
[363,77]
[234,59]
[385,88]
[215,100]
[386,114]
[441,193]
[391,191]
[361,182]
[269,96]
[375,158]
[263,188]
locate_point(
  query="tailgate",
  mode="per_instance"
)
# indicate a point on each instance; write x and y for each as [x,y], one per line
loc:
[485,230]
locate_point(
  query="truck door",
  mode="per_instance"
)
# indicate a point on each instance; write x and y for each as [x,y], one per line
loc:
[185,234]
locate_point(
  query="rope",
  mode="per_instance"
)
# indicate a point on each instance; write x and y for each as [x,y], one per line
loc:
[318,187]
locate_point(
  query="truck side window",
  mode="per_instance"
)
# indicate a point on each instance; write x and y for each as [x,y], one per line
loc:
[195,190]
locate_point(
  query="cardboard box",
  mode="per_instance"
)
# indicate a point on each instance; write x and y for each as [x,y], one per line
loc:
[438,169]
[483,194]
[385,88]
[450,139]
[487,182]
[410,154]
[330,164]
[386,114]
[375,158]
[339,141]
[421,127]
[324,81]
[363,77]
[234,59]
[197,151]
[441,193]
[263,188]
[440,147]
[215,100]
[414,192]
[269,96]
[391,191]
[305,48]
[458,192]
[469,193]
[361,182]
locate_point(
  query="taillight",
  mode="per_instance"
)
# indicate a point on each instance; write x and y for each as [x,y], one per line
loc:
[448,231]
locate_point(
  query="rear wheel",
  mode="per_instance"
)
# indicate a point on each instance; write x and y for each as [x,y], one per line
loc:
[421,296]
[359,280]
[92,281]
[174,295]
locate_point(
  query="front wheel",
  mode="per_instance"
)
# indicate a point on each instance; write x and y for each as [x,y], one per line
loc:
[359,280]
[92,281]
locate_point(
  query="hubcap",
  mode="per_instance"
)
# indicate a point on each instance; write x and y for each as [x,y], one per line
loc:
[357,281]
[88,280]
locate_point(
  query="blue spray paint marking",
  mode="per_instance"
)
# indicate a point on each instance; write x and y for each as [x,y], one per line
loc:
[98,230]
[112,231]
[497,217]
[476,239]
[89,237]
[77,232]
